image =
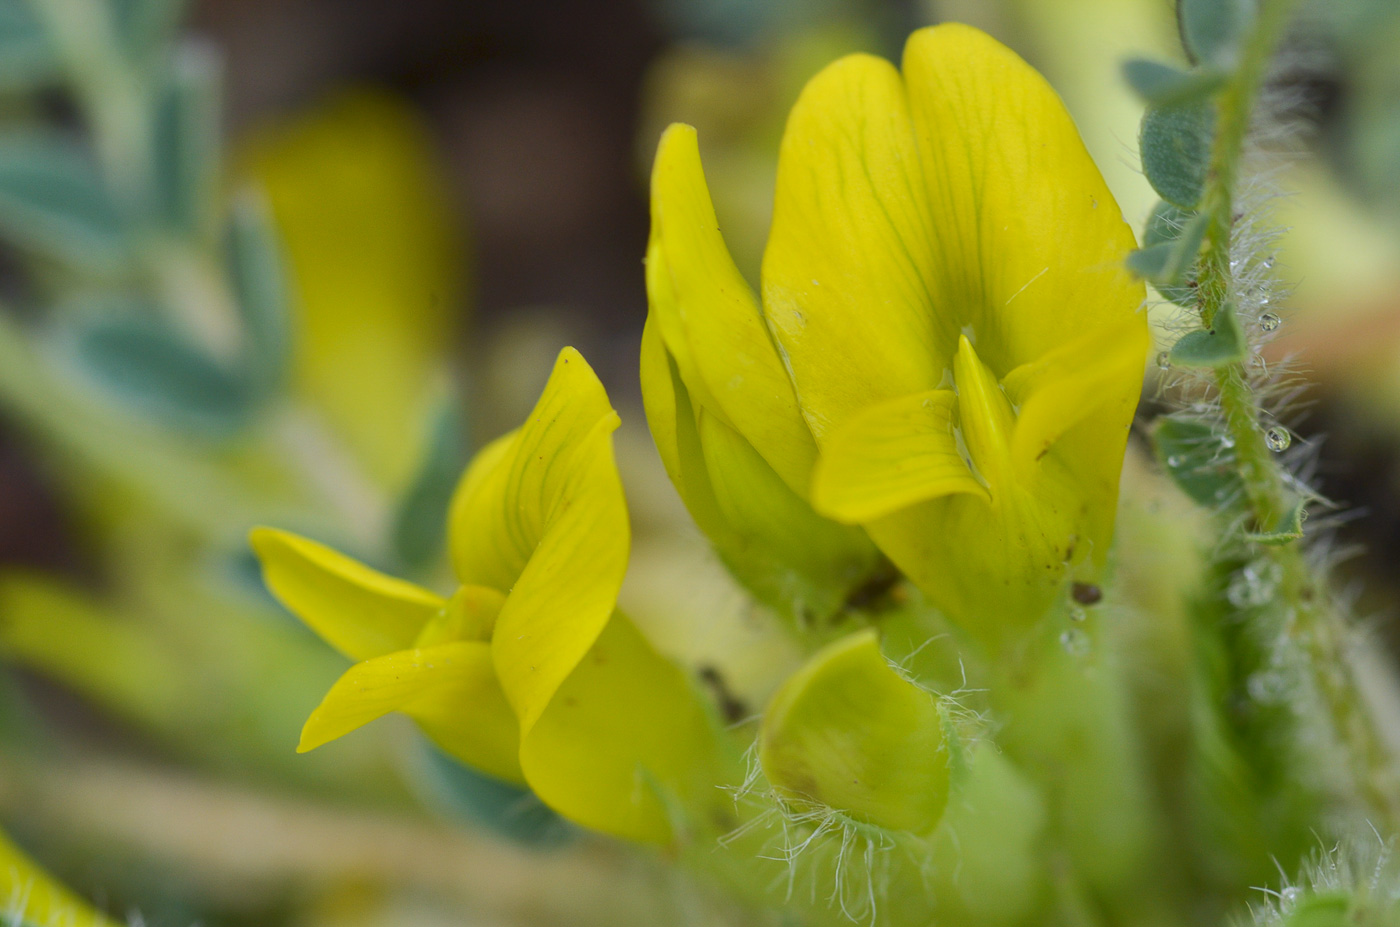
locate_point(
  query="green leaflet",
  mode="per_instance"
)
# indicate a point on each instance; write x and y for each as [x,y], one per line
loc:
[152,368]
[1175,142]
[1197,460]
[1160,84]
[1211,30]
[54,203]
[1223,344]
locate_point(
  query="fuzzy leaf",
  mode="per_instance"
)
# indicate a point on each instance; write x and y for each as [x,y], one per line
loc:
[1195,458]
[1173,235]
[258,274]
[27,57]
[186,145]
[53,202]
[1159,84]
[1288,529]
[151,367]
[1332,909]
[1220,346]
[1175,143]
[1211,30]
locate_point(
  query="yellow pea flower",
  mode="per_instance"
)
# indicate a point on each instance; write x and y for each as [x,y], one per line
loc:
[722,410]
[943,283]
[527,672]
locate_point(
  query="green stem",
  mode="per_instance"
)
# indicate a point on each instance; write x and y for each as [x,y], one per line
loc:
[1317,630]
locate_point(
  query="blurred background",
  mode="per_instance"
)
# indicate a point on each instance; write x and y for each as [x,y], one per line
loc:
[290,261]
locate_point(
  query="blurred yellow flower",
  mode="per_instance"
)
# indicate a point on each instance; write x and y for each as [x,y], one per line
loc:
[945,304]
[527,672]
[365,215]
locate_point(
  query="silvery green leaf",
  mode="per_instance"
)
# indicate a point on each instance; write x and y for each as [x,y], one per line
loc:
[1212,30]
[27,56]
[1170,244]
[258,276]
[187,140]
[1222,344]
[149,367]
[1287,529]
[54,203]
[1160,84]
[1197,460]
[1175,144]
[145,26]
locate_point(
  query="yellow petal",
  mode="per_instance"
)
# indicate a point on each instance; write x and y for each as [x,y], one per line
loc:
[449,689]
[32,898]
[470,615]
[992,566]
[542,516]
[482,554]
[709,318]
[772,540]
[504,500]
[624,740]
[848,732]
[985,418]
[358,611]
[1100,371]
[848,272]
[959,199]
[1029,241]
[890,456]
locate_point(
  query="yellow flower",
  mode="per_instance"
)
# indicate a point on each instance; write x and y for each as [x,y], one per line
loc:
[943,283]
[527,672]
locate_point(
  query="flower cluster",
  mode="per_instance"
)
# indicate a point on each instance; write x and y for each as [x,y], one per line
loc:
[936,377]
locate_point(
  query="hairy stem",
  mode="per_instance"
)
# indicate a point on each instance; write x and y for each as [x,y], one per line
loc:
[1315,629]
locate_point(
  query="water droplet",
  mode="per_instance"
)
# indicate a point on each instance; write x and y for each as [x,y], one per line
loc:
[1078,614]
[1278,439]
[1267,687]
[1289,897]
[1270,321]
[1174,461]
[1164,360]
[1254,584]
[1227,441]
[1075,642]
[1268,262]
